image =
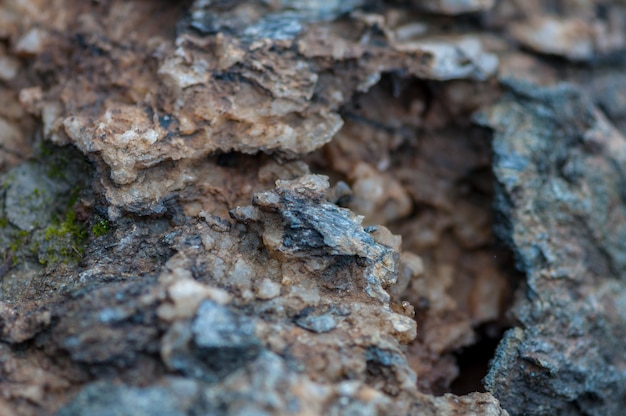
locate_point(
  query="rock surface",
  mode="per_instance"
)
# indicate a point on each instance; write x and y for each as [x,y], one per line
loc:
[559,167]
[285,207]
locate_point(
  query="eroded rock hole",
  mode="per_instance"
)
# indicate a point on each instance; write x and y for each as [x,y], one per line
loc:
[473,361]
[424,171]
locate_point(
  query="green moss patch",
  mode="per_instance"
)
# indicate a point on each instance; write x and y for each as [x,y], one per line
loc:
[101,228]
[38,221]
[63,242]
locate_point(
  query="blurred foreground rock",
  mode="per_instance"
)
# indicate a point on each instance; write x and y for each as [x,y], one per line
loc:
[285,207]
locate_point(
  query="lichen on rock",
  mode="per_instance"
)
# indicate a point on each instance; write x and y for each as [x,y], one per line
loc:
[38,209]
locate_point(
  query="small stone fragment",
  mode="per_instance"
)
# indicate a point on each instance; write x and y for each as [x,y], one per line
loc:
[17,326]
[454,58]
[267,289]
[31,43]
[313,225]
[29,195]
[376,196]
[312,321]
[8,67]
[453,7]
[186,296]
[216,343]
[105,398]
[571,38]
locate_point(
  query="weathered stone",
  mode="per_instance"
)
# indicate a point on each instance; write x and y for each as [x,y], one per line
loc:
[456,6]
[560,173]
[139,294]
[105,398]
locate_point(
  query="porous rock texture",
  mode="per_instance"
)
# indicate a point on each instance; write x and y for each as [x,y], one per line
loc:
[285,207]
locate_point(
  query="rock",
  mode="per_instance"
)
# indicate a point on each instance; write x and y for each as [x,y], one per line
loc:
[106,398]
[230,81]
[84,329]
[30,195]
[20,326]
[568,37]
[38,212]
[378,197]
[268,289]
[608,94]
[314,226]
[214,344]
[13,147]
[454,58]
[197,245]
[580,31]
[456,6]
[316,322]
[31,43]
[216,329]
[474,403]
[554,149]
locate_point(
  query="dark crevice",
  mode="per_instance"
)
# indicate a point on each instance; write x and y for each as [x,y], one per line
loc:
[473,361]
